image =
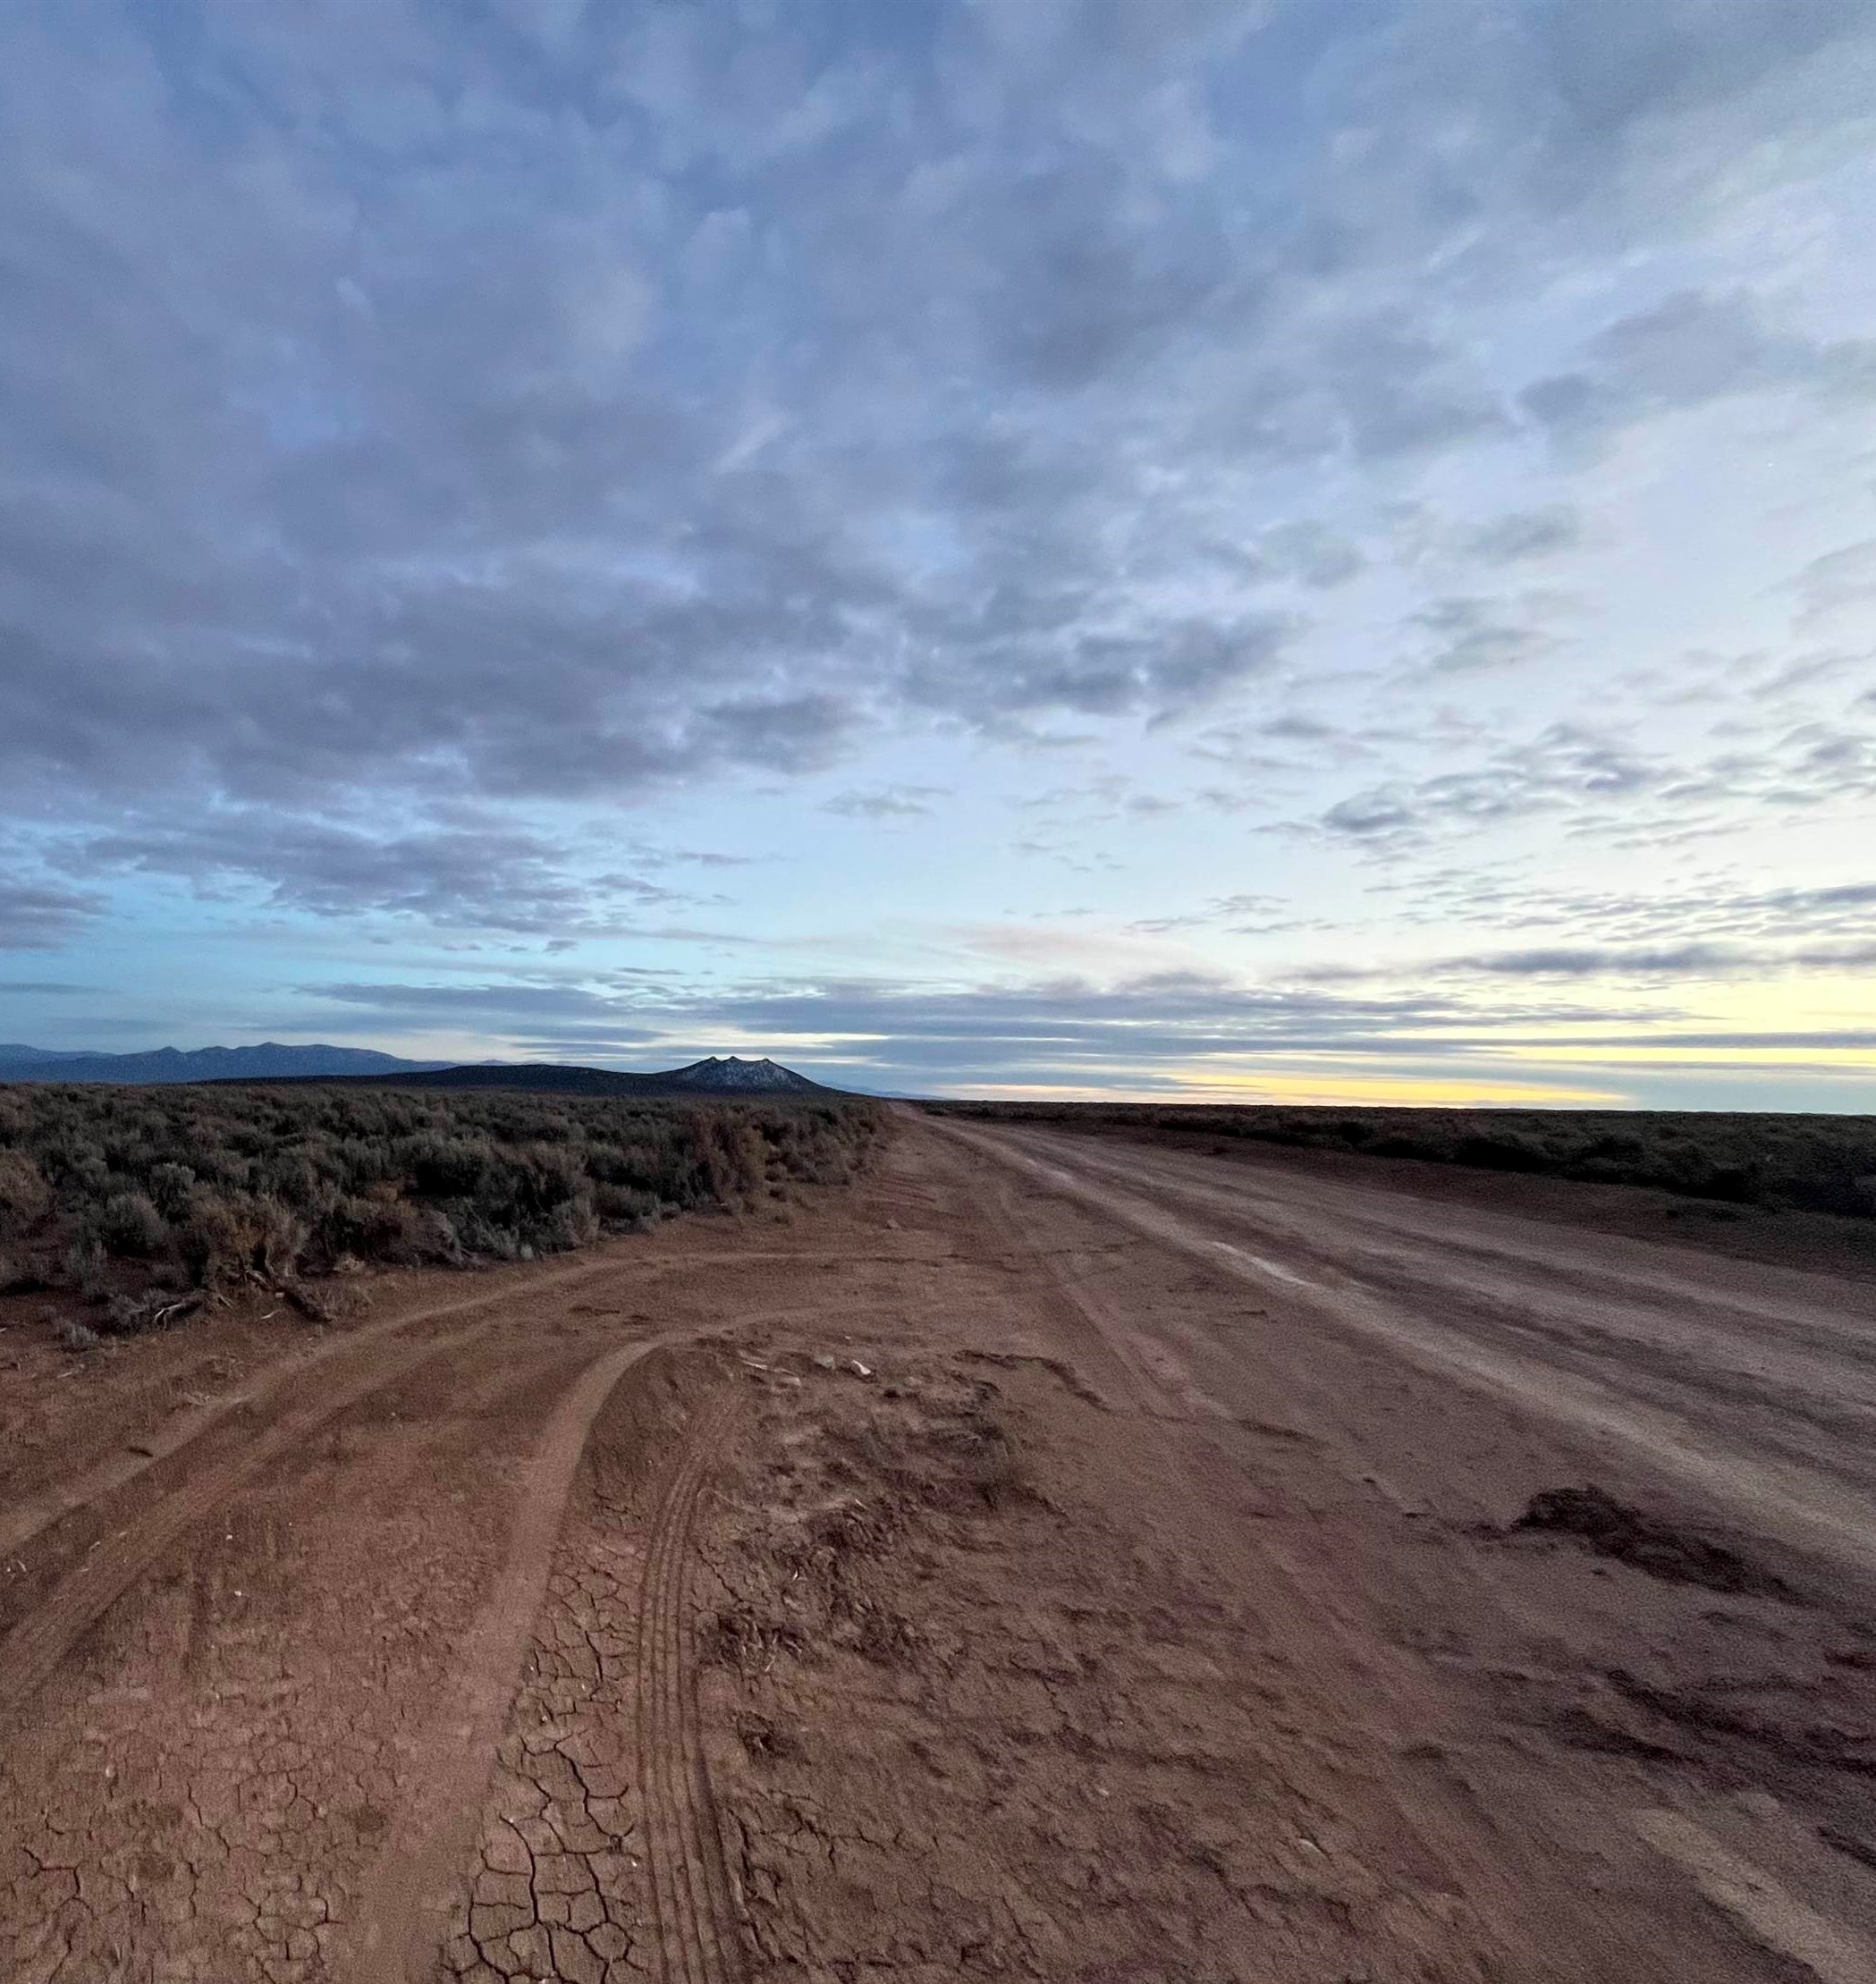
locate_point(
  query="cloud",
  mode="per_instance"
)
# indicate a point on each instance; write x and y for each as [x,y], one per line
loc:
[1402,392]
[1242,912]
[892,802]
[1840,581]
[1597,784]
[1528,533]
[431,453]
[1567,766]
[1693,960]
[1477,633]
[1165,1015]
[1307,551]
[510,1000]
[1696,960]
[1689,350]
[1173,1031]
[468,868]
[35,916]
[1715,908]
[304,498]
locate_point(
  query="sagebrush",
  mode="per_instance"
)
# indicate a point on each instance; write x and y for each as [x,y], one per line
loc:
[1816,1163]
[105,1188]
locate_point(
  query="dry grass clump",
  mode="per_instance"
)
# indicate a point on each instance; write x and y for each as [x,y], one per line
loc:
[1816,1163]
[123,1192]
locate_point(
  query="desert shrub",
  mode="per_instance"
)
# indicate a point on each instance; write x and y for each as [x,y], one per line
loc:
[1500,1153]
[572,1225]
[624,1208]
[129,1227]
[232,1235]
[292,1176]
[170,1186]
[117,1190]
[84,1264]
[546,1176]
[435,1237]
[25,1197]
[443,1166]
[76,1336]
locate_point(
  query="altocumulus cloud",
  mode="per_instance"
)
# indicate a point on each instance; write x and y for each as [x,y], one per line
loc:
[428,450]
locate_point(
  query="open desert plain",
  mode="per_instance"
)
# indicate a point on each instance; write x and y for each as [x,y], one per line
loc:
[938,992]
[1048,1556]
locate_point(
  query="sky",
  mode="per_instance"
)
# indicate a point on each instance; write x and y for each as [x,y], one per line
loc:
[1314,552]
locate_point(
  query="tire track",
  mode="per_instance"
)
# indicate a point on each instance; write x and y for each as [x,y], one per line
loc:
[407,1897]
[35,1647]
[694,1919]
[21,1523]
[1816,1512]
[1142,1390]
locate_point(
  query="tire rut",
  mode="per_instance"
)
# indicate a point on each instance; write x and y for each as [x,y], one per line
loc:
[1142,1391]
[407,1897]
[697,1938]
[26,1519]
[34,1513]
[34,1648]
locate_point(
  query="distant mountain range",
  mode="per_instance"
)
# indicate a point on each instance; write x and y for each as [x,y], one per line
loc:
[268,1062]
[727,1076]
[273,1062]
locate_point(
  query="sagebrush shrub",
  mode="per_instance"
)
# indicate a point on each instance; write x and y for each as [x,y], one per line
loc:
[25,1197]
[217,1184]
[129,1227]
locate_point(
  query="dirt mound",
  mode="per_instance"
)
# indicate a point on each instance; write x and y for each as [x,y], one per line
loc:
[1612,1528]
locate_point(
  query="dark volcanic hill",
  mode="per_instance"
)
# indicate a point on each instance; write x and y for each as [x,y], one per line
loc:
[728,1075]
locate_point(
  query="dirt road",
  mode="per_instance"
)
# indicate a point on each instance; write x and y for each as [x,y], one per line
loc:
[1049,1558]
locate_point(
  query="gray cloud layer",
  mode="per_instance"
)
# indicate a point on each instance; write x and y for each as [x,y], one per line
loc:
[460,411]
[33,918]
[416,440]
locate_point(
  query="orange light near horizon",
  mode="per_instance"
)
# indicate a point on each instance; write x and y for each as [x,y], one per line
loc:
[1326,1090]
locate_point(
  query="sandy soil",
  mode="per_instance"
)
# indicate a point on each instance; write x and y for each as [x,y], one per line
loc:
[1054,1557]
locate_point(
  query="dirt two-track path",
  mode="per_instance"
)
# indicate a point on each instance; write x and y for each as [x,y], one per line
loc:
[1055,1556]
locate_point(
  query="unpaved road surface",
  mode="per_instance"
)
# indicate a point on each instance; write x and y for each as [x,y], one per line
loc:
[1051,1558]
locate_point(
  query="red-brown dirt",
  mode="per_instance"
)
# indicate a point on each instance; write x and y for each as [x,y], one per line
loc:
[1052,1557]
